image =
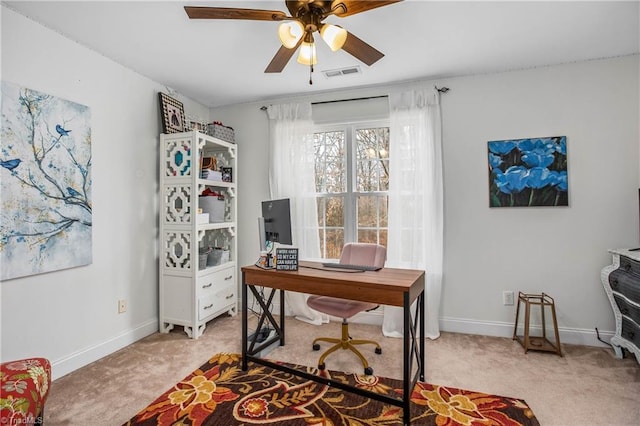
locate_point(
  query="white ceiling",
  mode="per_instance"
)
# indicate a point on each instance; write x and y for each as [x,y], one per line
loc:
[221,62]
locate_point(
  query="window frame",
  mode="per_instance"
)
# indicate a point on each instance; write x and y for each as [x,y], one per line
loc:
[350,196]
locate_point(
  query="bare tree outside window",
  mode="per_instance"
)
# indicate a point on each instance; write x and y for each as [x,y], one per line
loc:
[330,173]
[352,183]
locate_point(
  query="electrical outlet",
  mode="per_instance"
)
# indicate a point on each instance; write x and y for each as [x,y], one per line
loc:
[122,306]
[507,298]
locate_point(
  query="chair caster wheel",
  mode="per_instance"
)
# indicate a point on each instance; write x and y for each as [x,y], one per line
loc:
[316,346]
[378,351]
[368,371]
[321,366]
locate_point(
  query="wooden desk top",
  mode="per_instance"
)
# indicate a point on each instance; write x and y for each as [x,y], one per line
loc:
[386,286]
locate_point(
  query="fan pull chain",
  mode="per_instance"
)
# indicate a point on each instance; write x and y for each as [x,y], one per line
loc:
[311,68]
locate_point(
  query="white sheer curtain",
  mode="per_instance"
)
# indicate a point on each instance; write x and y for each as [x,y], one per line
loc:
[291,175]
[416,199]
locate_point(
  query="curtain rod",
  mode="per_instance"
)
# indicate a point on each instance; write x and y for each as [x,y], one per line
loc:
[441,90]
[263,108]
[348,100]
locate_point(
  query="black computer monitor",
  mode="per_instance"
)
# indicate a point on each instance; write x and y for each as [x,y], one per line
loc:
[277,221]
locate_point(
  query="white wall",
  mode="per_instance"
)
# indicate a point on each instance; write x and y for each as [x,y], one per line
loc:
[71,316]
[559,250]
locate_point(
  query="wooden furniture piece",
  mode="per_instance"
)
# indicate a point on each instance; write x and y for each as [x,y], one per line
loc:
[192,292]
[353,254]
[388,286]
[621,282]
[537,343]
[24,388]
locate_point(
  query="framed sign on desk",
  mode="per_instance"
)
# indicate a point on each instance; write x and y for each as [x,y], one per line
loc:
[287,259]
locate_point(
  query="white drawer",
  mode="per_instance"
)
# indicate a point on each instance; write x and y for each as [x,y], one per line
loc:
[216,302]
[209,284]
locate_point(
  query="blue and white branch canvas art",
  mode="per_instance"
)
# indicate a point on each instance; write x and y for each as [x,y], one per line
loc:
[45,183]
[528,172]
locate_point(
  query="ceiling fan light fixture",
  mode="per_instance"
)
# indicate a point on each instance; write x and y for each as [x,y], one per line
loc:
[296,28]
[290,33]
[307,54]
[334,36]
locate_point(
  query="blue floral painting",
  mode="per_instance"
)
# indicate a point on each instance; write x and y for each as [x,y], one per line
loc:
[45,183]
[528,172]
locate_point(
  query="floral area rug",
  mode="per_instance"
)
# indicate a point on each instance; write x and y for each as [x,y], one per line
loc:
[219,393]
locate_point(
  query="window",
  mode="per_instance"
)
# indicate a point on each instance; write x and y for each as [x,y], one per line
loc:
[352,184]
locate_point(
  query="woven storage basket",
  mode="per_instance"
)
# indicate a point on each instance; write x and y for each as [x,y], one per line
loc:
[222,132]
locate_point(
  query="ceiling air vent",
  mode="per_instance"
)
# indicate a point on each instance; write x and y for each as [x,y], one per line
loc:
[342,71]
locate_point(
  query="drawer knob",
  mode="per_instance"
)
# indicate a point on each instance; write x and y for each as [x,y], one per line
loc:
[209,306]
[229,296]
[207,285]
[228,278]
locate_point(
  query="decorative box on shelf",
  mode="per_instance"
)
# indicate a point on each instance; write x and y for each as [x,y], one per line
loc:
[218,130]
[203,218]
[218,256]
[213,204]
[214,175]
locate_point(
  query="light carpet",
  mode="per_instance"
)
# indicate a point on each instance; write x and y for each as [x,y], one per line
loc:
[587,386]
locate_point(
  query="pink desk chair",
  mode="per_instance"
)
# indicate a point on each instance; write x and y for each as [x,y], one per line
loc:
[355,254]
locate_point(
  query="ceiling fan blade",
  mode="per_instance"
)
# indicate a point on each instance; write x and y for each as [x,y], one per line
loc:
[361,50]
[196,12]
[344,8]
[282,57]
[280,60]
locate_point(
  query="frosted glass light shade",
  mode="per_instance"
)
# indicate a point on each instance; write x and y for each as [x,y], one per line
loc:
[307,54]
[334,36]
[290,33]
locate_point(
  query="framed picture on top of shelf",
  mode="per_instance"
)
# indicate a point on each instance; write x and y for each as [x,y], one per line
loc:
[172,112]
[227,174]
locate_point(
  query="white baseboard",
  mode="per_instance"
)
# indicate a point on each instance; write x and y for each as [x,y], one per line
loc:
[72,362]
[573,336]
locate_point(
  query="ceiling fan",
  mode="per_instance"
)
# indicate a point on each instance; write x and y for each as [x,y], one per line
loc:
[306,18]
